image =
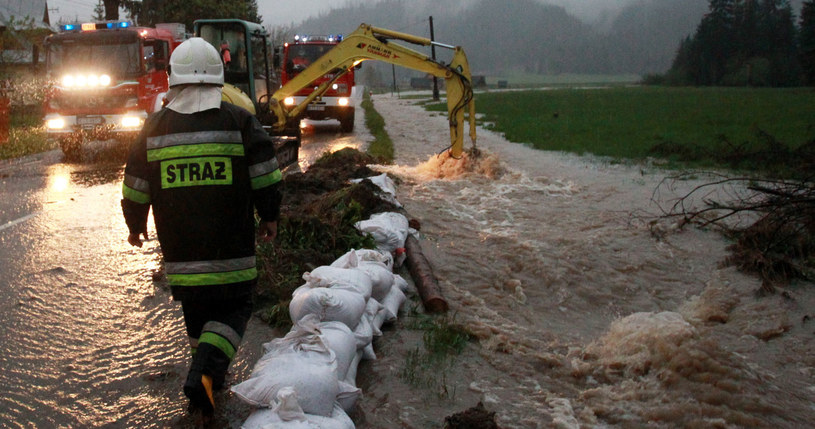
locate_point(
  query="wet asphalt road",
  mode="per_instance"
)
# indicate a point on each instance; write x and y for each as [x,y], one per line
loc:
[87,338]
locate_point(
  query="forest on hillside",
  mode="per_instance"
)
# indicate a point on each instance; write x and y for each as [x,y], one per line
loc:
[533,37]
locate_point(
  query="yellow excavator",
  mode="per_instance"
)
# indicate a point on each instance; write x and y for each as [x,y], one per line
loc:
[248,76]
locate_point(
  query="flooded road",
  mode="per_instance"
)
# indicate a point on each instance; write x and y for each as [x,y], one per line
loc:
[87,338]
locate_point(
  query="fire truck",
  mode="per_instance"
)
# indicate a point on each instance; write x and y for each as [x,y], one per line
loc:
[107,77]
[336,102]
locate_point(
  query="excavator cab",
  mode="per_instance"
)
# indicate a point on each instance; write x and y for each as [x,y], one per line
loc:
[245,49]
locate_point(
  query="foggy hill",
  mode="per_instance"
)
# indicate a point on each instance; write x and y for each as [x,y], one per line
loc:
[533,36]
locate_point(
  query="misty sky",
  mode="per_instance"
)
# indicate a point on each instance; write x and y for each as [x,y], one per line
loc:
[284,12]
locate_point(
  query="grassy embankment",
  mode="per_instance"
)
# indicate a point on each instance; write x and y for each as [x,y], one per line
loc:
[26,135]
[743,128]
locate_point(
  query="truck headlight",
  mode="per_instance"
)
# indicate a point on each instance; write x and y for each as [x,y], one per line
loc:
[342,101]
[131,122]
[55,124]
[288,101]
[85,81]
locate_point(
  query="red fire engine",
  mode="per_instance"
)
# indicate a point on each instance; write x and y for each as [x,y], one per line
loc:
[337,101]
[108,76]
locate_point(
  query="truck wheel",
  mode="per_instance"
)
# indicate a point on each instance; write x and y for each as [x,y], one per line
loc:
[347,122]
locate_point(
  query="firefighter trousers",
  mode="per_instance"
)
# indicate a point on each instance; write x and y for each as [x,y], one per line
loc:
[215,328]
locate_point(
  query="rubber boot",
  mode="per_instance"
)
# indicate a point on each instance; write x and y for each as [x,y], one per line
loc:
[198,388]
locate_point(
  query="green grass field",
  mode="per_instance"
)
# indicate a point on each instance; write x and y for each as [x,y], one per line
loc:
[696,126]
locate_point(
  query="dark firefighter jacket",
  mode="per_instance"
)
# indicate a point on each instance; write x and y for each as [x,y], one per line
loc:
[202,173]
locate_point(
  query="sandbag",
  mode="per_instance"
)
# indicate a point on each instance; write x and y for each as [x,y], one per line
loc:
[347,396]
[328,276]
[303,340]
[351,377]
[401,283]
[381,278]
[372,310]
[315,384]
[328,304]
[342,342]
[389,230]
[268,418]
[353,257]
[386,185]
[392,303]
[365,335]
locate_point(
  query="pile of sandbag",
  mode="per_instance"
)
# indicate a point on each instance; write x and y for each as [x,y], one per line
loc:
[307,379]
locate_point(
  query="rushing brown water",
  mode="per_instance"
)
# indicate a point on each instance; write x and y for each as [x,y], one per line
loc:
[586,312]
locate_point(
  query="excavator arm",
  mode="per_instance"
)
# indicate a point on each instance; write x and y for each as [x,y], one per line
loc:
[371,43]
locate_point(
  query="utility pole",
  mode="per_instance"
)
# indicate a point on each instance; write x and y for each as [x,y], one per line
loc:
[394,88]
[433,54]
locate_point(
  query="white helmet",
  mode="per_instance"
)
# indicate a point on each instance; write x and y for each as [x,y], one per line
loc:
[195,61]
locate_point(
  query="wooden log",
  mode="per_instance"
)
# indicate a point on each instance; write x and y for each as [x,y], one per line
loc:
[423,277]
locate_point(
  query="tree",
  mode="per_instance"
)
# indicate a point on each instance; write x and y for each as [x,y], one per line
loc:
[99,11]
[112,9]
[151,12]
[741,42]
[806,41]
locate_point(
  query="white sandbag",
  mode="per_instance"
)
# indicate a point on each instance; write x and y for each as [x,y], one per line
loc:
[353,257]
[339,305]
[392,303]
[381,278]
[315,384]
[379,320]
[351,376]
[285,412]
[342,342]
[328,276]
[267,418]
[386,185]
[348,395]
[363,333]
[401,283]
[303,340]
[368,352]
[388,229]
[372,309]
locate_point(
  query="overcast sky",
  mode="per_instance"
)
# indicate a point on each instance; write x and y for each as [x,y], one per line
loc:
[284,12]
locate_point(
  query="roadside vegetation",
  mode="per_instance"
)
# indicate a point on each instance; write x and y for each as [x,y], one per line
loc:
[26,134]
[382,146]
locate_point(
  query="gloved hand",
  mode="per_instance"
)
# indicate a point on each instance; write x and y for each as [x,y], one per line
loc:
[267,231]
[135,239]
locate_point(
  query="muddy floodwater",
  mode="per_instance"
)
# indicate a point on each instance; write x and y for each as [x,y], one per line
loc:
[585,312]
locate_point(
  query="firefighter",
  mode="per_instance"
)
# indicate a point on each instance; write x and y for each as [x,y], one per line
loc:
[226,54]
[204,166]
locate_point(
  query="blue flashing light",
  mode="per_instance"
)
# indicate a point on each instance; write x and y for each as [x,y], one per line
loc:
[124,24]
[68,27]
[109,25]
